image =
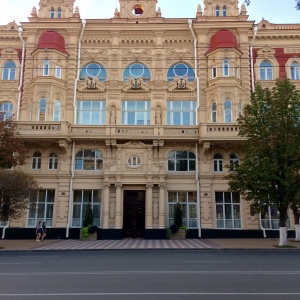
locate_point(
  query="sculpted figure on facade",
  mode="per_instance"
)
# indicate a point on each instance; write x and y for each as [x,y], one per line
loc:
[158,115]
[113,114]
[90,83]
[181,83]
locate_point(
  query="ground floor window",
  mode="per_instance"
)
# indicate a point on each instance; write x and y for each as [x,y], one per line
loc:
[228,210]
[41,208]
[270,218]
[3,223]
[80,201]
[188,201]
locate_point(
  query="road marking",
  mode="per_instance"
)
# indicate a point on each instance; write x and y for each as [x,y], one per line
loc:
[24,263]
[207,261]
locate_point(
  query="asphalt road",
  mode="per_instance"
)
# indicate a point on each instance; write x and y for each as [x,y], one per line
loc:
[150,274]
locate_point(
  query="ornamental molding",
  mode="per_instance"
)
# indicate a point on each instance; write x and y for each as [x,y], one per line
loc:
[136,51]
[179,51]
[91,85]
[291,50]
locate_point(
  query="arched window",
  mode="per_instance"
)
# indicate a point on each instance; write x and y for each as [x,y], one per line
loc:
[59,13]
[266,71]
[36,160]
[213,112]
[233,161]
[295,71]
[9,71]
[42,109]
[52,13]
[226,67]
[227,111]
[217,11]
[53,161]
[6,110]
[93,70]
[180,161]
[218,163]
[89,160]
[224,11]
[46,67]
[137,70]
[56,110]
[180,70]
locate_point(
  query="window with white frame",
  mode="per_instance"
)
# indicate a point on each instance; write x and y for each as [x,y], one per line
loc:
[41,208]
[90,112]
[226,67]
[233,161]
[91,160]
[227,111]
[188,202]
[214,72]
[46,67]
[217,11]
[218,163]
[180,70]
[137,70]
[53,161]
[81,200]
[266,71]
[36,160]
[228,210]
[58,72]
[52,13]
[59,13]
[181,112]
[136,112]
[6,110]
[295,71]
[181,161]
[56,110]
[93,70]
[224,11]
[270,218]
[240,108]
[213,112]
[42,109]
[9,71]
[236,72]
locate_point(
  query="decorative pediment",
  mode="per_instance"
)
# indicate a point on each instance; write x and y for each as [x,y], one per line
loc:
[266,52]
[180,84]
[135,145]
[136,84]
[9,53]
[91,84]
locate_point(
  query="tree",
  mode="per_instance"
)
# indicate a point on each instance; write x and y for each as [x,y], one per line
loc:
[297,3]
[88,217]
[269,171]
[12,149]
[17,188]
[177,215]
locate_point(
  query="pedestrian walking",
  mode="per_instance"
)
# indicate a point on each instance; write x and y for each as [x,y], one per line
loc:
[44,230]
[38,231]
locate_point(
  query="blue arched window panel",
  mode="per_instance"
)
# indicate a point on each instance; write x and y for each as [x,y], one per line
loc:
[59,13]
[9,71]
[137,70]
[93,70]
[180,70]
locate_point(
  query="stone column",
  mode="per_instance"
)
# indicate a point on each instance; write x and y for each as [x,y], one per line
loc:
[162,210]
[118,212]
[105,206]
[149,210]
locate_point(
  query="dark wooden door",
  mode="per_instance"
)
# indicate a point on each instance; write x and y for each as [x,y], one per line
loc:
[134,214]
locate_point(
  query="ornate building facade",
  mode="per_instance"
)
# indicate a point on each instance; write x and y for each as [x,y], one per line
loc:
[135,113]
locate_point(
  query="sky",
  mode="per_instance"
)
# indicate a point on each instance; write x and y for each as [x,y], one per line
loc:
[275,11]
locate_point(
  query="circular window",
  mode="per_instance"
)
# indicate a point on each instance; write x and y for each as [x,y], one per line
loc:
[93,70]
[136,70]
[138,10]
[180,70]
[134,161]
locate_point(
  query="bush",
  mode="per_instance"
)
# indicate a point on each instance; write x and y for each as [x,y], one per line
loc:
[178,215]
[88,217]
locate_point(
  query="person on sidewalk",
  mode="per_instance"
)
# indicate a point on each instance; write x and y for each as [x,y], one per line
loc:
[38,231]
[44,230]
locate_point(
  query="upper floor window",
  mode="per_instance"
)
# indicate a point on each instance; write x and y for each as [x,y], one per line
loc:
[56,110]
[181,112]
[226,67]
[213,112]
[59,13]
[91,112]
[93,70]
[42,109]
[52,13]
[214,72]
[240,108]
[217,11]
[6,110]
[227,111]
[9,71]
[233,161]
[46,65]
[224,11]
[218,163]
[295,71]
[136,112]
[137,70]
[180,161]
[58,72]
[53,161]
[89,160]
[36,160]
[180,70]
[266,71]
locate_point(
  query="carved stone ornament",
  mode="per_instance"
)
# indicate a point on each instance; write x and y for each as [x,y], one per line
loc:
[91,84]
[136,84]
[181,84]
[266,52]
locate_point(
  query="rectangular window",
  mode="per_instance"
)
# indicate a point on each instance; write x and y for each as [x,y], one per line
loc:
[270,218]
[80,201]
[136,112]
[36,163]
[41,208]
[181,113]
[58,72]
[46,68]
[91,112]
[214,72]
[228,210]
[188,202]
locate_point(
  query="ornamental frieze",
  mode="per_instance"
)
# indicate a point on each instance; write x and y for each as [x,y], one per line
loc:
[291,50]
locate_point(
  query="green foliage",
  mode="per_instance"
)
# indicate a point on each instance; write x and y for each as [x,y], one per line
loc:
[177,218]
[84,231]
[269,171]
[88,217]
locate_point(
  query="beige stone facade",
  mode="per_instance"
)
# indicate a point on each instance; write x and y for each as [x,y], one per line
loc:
[135,113]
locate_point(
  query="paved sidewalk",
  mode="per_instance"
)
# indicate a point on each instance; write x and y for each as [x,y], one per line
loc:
[31,245]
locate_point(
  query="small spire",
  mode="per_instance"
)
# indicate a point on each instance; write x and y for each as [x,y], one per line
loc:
[158,13]
[243,10]
[76,12]
[199,11]
[34,12]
